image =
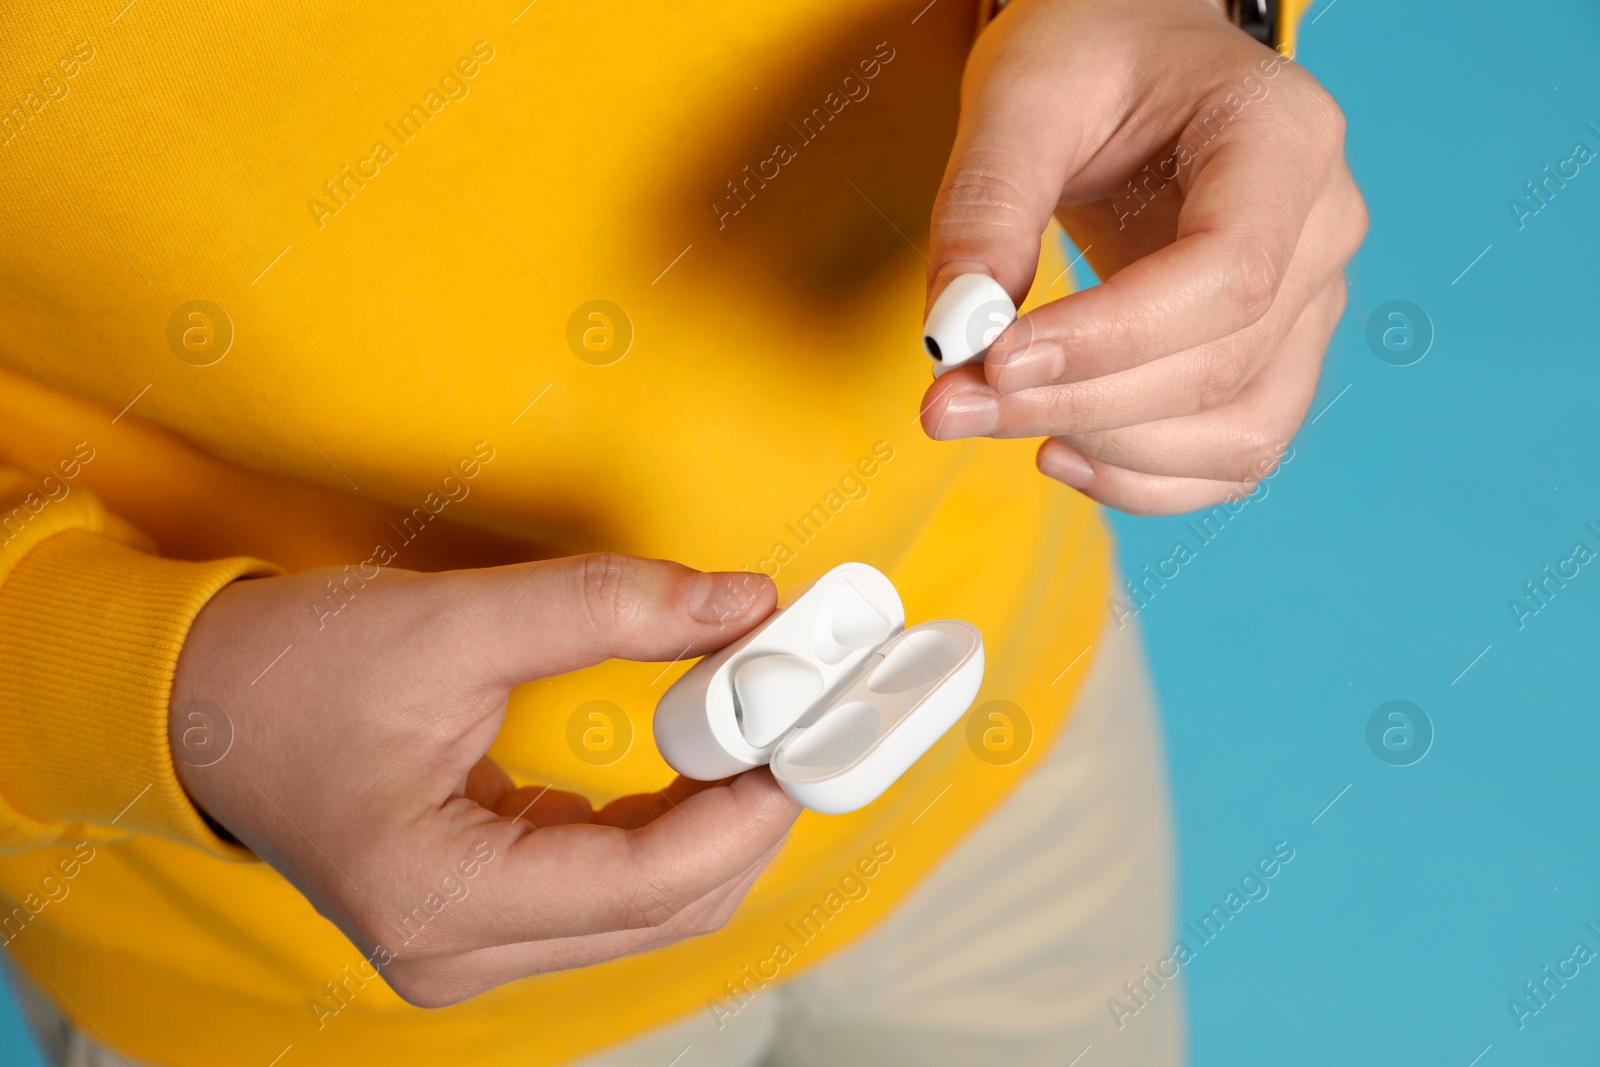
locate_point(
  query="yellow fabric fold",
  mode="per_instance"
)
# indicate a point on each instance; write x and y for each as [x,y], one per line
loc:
[90,631]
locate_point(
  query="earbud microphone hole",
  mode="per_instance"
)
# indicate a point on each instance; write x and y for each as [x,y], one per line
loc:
[933,348]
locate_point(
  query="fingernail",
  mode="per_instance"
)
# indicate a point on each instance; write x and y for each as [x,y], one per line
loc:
[1064,465]
[723,595]
[1041,366]
[973,415]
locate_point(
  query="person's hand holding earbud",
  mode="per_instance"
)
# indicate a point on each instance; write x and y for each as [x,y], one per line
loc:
[357,764]
[1181,379]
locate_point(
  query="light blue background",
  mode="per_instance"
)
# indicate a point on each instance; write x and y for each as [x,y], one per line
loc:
[1423,899]
[1394,539]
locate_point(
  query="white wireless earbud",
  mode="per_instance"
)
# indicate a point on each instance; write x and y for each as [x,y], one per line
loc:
[965,320]
[771,693]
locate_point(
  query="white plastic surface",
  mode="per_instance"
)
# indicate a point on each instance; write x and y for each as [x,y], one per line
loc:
[834,626]
[965,320]
[832,691]
[771,692]
[907,696]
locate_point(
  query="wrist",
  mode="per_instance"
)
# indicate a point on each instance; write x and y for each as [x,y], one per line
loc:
[200,731]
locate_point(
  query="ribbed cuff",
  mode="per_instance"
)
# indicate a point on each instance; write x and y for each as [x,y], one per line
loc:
[90,632]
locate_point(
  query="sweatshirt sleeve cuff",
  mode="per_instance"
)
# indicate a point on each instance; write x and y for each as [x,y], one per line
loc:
[90,632]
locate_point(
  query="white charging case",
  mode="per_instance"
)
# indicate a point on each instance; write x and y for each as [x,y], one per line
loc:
[833,692]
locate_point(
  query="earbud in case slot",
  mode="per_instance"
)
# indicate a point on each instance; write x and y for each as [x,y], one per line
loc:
[771,693]
[833,692]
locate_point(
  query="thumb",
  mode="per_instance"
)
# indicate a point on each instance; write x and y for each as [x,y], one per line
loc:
[1022,131]
[547,618]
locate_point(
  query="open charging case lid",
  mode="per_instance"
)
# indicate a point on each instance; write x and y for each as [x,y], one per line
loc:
[833,692]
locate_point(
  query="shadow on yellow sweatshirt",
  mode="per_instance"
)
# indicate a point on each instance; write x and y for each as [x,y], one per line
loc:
[275,279]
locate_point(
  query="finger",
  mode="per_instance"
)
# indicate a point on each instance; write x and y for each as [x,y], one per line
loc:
[1246,198]
[429,980]
[1130,491]
[534,620]
[1186,383]
[709,913]
[963,404]
[1128,486]
[1014,148]
[540,805]
[1107,242]
[571,880]
[487,782]
[1333,230]
[1240,441]
[639,809]
[490,787]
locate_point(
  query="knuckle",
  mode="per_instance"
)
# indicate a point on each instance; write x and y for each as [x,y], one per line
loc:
[1215,392]
[1325,122]
[1256,452]
[978,190]
[610,584]
[1071,409]
[1221,372]
[1253,284]
[1318,114]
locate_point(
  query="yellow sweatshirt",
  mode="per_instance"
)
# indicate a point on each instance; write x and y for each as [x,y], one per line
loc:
[274,278]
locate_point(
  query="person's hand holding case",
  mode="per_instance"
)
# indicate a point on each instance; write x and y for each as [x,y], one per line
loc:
[357,766]
[1180,380]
